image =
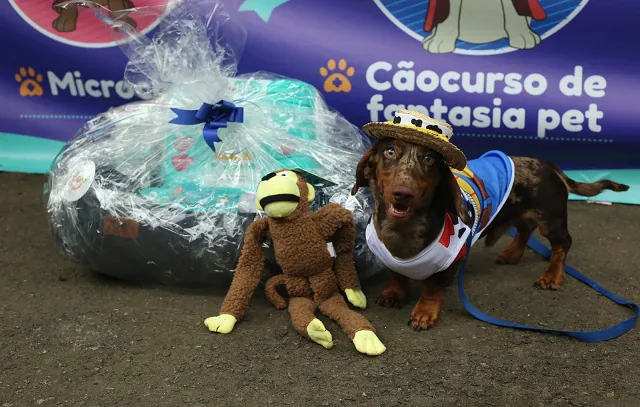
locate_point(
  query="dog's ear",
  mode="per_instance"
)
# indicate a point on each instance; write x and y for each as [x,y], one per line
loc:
[451,195]
[363,171]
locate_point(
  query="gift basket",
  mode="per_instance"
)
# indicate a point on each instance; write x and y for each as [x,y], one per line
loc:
[162,189]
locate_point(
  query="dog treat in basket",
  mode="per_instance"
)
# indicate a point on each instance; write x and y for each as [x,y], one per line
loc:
[313,272]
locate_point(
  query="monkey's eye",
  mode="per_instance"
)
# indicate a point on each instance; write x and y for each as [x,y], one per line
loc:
[389,152]
[283,174]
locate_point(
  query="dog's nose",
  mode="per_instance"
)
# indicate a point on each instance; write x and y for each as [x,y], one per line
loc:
[402,193]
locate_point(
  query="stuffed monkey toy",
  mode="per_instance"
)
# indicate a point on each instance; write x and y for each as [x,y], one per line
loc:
[300,239]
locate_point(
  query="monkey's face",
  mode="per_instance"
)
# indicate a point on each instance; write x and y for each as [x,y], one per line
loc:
[279,193]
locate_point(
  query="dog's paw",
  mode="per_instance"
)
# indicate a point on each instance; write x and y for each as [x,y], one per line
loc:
[441,42]
[508,257]
[550,280]
[424,318]
[391,299]
[64,25]
[523,37]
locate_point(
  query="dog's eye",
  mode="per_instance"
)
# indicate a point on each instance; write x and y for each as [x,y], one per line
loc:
[389,152]
[429,159]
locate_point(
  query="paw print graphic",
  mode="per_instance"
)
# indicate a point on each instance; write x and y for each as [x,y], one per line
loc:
[337,81]
[30,82]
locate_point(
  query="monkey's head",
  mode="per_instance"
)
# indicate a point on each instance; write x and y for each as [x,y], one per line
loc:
[282,192]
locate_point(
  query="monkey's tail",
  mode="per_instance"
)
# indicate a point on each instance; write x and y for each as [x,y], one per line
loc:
[271,292]
[589,189]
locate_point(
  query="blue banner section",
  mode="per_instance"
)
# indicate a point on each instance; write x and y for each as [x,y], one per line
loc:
[555,79]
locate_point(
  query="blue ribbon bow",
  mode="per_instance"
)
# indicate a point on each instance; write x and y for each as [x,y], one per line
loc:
[214,117]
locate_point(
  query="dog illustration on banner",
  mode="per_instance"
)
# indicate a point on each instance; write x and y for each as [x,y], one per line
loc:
[68,16]
[74,23]
[481,22]
[480,27]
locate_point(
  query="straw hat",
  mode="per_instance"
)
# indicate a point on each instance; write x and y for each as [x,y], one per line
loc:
[418,128]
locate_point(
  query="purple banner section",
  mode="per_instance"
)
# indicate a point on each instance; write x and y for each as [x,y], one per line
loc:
[555,79]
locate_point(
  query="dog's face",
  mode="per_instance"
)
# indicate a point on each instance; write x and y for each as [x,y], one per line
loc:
[406,178]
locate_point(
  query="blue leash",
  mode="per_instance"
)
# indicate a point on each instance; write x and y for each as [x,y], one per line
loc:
[585,336]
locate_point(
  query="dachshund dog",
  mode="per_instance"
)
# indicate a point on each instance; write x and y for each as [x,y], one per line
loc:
[68,15]
[414,191]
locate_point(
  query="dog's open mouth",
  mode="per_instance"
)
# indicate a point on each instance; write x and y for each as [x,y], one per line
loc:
[399,210]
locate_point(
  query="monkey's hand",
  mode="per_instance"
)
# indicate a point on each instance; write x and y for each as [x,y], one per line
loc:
[247,275]
[222,324]
[356,297]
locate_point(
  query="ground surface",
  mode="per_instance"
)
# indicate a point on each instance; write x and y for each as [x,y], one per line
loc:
[69,337]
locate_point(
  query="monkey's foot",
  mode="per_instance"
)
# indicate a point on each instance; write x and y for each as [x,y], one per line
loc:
[367,342]
[319,334]
[222,324]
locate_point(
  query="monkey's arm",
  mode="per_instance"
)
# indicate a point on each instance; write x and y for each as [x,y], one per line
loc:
[336,223]
[245,279]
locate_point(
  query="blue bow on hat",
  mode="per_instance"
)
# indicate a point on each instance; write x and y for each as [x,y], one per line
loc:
[213,116]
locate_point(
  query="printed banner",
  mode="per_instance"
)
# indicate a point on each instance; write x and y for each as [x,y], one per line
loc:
[555,79]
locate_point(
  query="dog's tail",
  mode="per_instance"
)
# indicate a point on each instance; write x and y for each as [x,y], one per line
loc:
[588,189]
[271,292]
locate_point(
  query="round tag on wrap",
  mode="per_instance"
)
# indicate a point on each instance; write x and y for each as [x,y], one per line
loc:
[80,181]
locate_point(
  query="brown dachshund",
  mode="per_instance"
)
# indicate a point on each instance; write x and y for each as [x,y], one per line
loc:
[413,190]
[68,15]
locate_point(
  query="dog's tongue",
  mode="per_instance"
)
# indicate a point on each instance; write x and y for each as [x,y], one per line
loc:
[398,210]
